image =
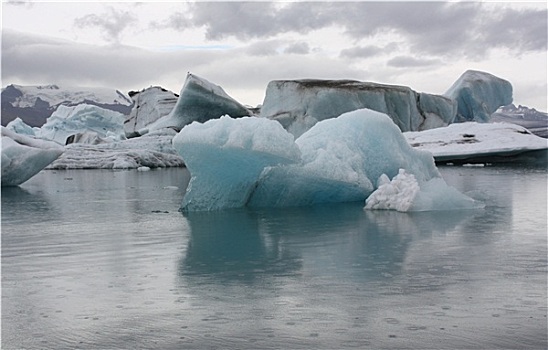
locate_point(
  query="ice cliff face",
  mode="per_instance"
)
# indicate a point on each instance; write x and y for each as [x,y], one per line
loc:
[199,100]
[34,104]
[149,105]
[24,156]
[299,104]
[478,95]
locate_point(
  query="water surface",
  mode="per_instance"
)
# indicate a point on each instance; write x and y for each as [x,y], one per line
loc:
[98,259]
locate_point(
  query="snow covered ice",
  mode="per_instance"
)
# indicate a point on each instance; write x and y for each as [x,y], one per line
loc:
[492,142]
[24,156]
[255,162]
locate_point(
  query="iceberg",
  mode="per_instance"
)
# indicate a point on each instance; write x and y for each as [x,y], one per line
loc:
[255,162]
[153,150]
[299,104]
[66,121]
[473,142]
[149,105]
[226,156]
[88,137]
[199,100]
[34,104]
[24,156]
[341,160]
[478,95]
[404,194]
[20,127]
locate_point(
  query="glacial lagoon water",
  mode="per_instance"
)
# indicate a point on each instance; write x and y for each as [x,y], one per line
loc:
[96,259]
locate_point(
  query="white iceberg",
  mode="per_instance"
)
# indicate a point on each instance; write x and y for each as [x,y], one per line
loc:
[24,156]
[199,100]
[149,105]
[404,193]
[20,127]
[478,95]
[480,142]
[153,150]
[299,104]
[255,162]
[226,156]
[66,121]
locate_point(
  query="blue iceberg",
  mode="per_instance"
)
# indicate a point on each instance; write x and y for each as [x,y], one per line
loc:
[299,104]
[67,121]
[478,95]
[199,100]
[226,157]
[255,162]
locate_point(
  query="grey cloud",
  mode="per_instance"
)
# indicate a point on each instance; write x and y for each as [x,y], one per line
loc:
[111,23]
[300,48]
[39,59]
[361,51]
[525,31]
[263,48]
[437,28]
[408,61]
[246,20]
[30,59]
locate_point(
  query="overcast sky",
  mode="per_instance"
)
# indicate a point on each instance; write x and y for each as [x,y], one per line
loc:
[241,46]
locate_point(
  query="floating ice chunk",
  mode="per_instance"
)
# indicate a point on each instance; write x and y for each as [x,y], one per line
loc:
[341,159]
[66,121]
[199,100]
[478,95]
[226,156]
[23,156]
[255,162]
[153,150]
[473,142]
[397,194]
[404,193]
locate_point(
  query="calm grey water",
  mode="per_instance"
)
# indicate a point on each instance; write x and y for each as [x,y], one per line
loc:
[97,259]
